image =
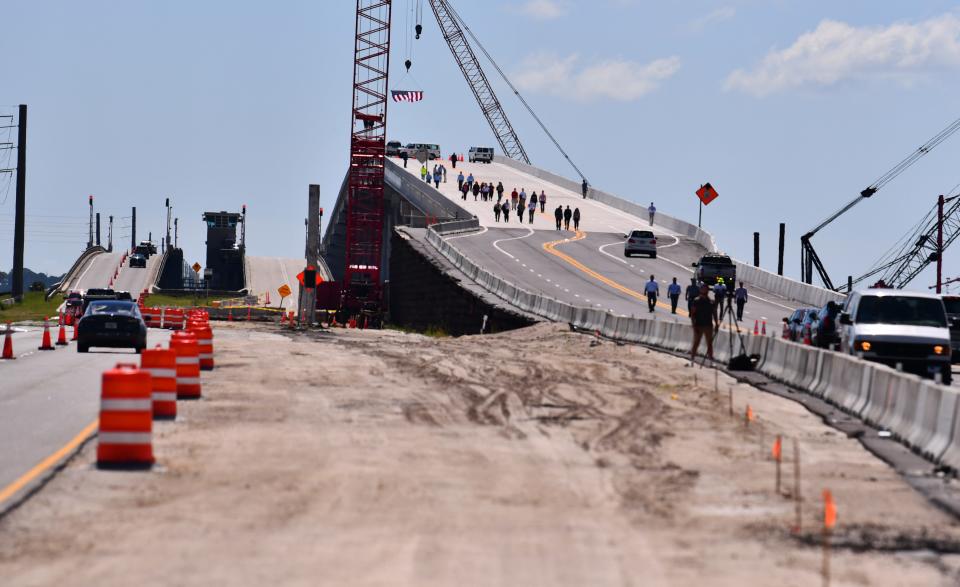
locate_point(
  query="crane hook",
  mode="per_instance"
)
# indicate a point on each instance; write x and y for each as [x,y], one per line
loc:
[408,63]
[419,29]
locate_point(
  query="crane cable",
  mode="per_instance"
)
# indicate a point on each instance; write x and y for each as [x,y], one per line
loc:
[513,88]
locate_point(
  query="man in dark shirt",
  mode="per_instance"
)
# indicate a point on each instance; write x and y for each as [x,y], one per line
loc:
[693,290]
[704,316]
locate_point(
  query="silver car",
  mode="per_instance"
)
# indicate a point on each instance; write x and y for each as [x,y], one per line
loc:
[640,242]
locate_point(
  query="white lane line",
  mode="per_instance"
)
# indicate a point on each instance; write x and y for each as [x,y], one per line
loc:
[496,243]
[675,242]
[615,258]
[482,230]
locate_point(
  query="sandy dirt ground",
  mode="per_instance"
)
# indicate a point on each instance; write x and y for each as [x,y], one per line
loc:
[529,458]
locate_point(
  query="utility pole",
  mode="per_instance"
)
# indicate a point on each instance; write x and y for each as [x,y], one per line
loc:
[166,240]
[940,243]
[19,234]
[783,234]
[176,221]
[133,231]
[243,230]
[313,238]
[110,236]
[98,229]
[90,223]
[756,249]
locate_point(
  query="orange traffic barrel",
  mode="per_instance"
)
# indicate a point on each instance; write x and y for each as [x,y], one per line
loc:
[174,319]
[126,422]
[188,364]
[204,334]
[161,364]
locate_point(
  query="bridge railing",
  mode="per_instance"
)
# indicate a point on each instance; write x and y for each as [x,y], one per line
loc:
[70,277]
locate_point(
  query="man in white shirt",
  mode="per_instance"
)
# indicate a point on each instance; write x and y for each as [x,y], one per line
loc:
[652,289]
[651,211]
[740,297]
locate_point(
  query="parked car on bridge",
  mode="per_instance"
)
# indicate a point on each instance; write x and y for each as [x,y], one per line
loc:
[801,323]
[138,260]
[480,155]
[428,150]
[393,148]
[897,327]
[640,242]
[825,334]
[113,324]
[145,248]
[73,307]
[952,305]
[712,266]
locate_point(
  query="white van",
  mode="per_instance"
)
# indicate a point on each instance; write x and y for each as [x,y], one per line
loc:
[893,326]
[480,155]
[429,151]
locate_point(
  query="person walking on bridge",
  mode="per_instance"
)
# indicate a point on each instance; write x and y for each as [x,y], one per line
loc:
[652,289]
[405,156]
[505,208]
[522,202]
[652,211]
[673,292]
[424,174]
[470,180]
[576,218]
[443,170]
[476,191]
[567,213]
[534,199]
[584,187]
[693,290]
[740,297]
[514,198]
[465,189]
[496,212]
[437,176]
[520,213]
[543,201]
[531,208]
[453,160]
[460,180]
[558,216]
[703,314]
[499,190]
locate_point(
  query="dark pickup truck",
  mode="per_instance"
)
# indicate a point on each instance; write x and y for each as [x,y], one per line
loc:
[714,265]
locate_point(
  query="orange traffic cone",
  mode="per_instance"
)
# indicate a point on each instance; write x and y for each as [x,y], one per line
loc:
[248,313]
[62,336]
[283,317]
[763,331]
[267,303]
[75,334]
[229,315]
[8,344]
[756,327]
[45,344]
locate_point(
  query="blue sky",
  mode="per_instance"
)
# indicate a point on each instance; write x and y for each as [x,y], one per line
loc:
[788,108]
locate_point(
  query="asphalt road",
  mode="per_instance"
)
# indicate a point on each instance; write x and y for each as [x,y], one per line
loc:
[266,274]
[99,270]
[48,397]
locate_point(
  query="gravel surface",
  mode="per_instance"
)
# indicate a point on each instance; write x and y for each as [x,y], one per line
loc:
[534,457]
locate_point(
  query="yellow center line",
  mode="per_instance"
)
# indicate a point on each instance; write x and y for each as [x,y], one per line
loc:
[48,462]
[551,247]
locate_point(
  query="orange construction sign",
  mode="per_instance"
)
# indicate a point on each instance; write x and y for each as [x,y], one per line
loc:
[196,267]
[707,194]
[284,290]
[319,279]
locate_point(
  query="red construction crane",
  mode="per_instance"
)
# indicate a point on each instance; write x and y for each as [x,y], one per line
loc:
[365,190]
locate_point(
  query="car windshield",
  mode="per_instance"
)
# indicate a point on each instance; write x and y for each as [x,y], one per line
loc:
[901,310]
[113,307]
[952,304]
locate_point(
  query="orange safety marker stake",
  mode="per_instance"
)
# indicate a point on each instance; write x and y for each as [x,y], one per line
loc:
[763,330]
[62,336]
[248,313]
[756,327]
[45,344]
[829,521]
[125,438]
[161,364]
[777,453]
[229,315]
[748,416]
[796,485]
[76,334]
[8,344]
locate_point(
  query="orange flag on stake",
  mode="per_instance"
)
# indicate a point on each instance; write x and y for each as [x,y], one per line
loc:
[777,448]
[829,510]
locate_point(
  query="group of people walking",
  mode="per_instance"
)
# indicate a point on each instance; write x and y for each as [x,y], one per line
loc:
[439,174]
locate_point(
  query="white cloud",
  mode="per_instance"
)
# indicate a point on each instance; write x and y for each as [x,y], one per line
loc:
[544,9]
[717,16]
[836,51]
[614,79]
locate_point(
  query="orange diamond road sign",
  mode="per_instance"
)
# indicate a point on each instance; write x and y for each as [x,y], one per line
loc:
[196,267]
[319,279]
[707,194]
[284,290]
